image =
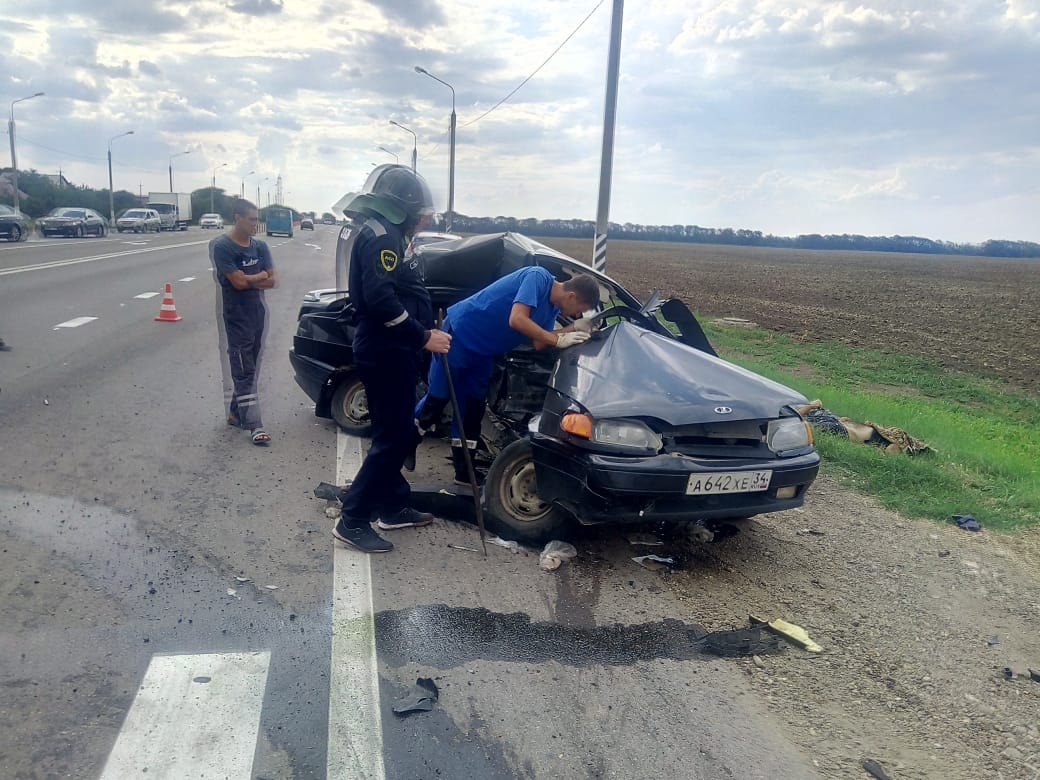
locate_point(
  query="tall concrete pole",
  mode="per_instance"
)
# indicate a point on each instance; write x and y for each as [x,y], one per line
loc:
[14,157]
[451,161]
[599,251]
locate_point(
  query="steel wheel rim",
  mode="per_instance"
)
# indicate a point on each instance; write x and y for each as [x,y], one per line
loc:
[520,495]
[355,403]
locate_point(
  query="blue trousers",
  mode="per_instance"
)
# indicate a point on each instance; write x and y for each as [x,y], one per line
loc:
[244,327]
[470,374]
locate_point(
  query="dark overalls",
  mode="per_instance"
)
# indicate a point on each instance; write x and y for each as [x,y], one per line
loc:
[244,313]
[394,316]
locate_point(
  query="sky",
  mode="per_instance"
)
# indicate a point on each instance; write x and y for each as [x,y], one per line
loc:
[886,117]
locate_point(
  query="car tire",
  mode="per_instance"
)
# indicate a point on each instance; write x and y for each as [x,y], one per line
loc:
[102,231]
[511,500]
[15,234]
[80,232]
[350,407]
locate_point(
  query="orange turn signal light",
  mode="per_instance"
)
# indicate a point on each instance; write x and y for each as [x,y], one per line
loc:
[577,424]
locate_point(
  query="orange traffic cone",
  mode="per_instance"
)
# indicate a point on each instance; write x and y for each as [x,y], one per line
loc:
[168,311]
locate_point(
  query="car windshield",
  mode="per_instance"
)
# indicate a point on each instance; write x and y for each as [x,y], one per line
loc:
[70,213]
[135,214]
[211,216]
[6,209]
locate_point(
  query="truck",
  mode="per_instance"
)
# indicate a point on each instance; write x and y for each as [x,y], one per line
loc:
[174,209]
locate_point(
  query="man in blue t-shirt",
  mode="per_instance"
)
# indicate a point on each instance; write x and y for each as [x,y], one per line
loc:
[522,305]
[243,268]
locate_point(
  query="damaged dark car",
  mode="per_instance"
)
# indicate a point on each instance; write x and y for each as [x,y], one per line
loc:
[640,424]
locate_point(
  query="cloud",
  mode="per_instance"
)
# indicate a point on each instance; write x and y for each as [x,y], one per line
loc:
[257,7]
[148,68]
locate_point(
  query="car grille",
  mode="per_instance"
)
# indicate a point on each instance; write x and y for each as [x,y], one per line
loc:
[742,439]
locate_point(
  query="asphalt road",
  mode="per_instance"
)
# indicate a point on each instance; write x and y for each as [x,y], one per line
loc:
[172,604]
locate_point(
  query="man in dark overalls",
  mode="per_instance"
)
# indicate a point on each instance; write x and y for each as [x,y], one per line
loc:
[243,267]
[394,320]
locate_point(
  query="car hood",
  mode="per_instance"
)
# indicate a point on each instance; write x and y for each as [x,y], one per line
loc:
[62,219]
[628,371]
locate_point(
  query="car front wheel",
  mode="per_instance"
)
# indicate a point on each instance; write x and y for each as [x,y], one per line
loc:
[350,407]
[511,498]
[16,234]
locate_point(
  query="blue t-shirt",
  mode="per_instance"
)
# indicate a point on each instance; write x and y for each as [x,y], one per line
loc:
[228,256]
[480,323]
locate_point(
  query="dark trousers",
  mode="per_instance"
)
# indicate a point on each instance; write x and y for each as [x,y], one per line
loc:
[244,326]
[379,487]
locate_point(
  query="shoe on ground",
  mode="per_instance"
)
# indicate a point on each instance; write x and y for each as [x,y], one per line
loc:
[361,537]
[406,518]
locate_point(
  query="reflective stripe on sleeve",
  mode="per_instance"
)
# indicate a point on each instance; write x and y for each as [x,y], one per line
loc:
[396,320]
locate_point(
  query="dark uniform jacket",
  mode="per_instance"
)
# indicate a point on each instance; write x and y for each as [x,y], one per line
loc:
[391,304]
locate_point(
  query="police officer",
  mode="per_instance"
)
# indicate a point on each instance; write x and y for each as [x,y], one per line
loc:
[394,321]
[243,268]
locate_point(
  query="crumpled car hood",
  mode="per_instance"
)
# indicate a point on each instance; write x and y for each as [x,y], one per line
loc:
[628,371]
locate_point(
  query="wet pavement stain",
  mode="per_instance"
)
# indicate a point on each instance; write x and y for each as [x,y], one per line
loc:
[445,637]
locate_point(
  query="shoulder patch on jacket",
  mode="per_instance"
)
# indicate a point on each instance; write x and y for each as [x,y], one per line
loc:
[388,259]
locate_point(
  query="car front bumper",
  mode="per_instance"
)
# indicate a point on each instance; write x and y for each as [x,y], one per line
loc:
[598,488]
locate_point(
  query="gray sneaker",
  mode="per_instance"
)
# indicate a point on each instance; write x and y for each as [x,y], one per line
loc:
[406,518]
[361,537]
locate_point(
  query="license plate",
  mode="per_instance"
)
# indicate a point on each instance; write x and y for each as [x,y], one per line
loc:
[728,482]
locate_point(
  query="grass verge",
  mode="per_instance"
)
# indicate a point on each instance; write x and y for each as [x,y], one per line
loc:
[986,459]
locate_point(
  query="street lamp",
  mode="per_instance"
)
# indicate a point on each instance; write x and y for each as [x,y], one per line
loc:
[392,154]
[171,165]
[111,199]
[414,140]
[242,188]
[451,137]
[14,158]
[258,190]
[213,185]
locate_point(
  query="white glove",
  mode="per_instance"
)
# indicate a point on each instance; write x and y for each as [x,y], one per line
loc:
[585,325]
[569,339]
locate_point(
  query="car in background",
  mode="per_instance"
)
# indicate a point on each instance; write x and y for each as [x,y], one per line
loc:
[139,221]
[328,219]
[306,223]
[72,221]
[642,423]
[211,221]
[14,225]
[427,237]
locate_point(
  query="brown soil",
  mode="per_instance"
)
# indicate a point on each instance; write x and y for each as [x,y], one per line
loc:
[973,313]
[917,620]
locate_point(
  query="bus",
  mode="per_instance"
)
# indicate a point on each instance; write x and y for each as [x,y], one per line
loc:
[279,220]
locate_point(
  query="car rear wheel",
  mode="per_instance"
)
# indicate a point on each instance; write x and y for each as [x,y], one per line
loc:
[79,231]
[350,407]
[16,233]
[511,498]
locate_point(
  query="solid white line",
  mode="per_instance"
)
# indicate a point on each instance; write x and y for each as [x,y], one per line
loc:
[74,323]
[194,716]
[76,261]
[147,295]
[187,279]
[355,730]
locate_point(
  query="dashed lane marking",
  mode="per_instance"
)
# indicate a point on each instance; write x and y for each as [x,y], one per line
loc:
[193,716]
[355,748]
[77,260]
[187,279]
[74,323]
[147,295]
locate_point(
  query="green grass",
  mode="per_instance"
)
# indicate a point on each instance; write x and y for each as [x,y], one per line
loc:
[985,434]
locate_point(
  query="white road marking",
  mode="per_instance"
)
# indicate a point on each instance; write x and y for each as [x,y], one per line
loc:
[194,716]
[136,243]
[314,246]
[74,323]
[147,295]
[77,260]
[187,279]
[355,747]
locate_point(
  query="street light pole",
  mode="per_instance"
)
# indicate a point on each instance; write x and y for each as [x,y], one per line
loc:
[415,140]
[451,138]
[242,188]
[171,165]
[111,198]
[258,190]
[396,158]
[14,158]
[213,185]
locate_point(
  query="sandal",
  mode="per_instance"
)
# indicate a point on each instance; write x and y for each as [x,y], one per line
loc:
[260,437]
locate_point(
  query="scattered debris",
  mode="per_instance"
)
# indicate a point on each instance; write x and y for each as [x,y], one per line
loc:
[328,491]
[460,547]
[421,699]
[993,640]
[332,511]
[876,770]
[655,562]
[242,579]
[644,540]
[555,553]
[201,679]
[739,641]
[232,592]
[944,553]
[967,522]
[758,662]
[46,402]
[796,635]
[271,587]
[698,532]
[509,544]
[1021,673]
[810,532]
